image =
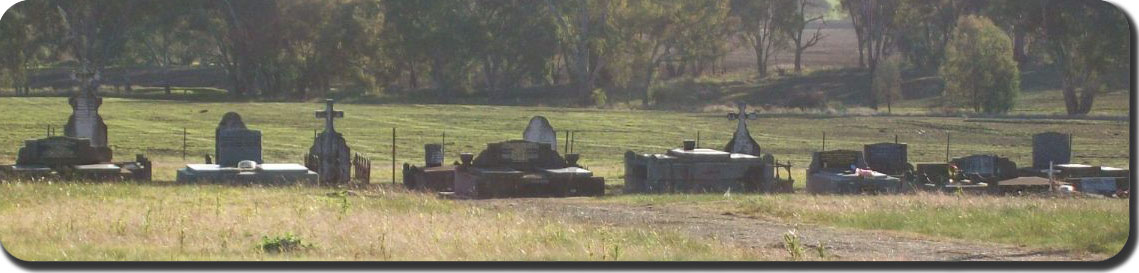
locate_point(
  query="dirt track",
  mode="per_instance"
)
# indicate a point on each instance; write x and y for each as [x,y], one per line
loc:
[766,235]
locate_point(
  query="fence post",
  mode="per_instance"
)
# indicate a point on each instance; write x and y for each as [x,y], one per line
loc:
[946,146]
[183,143]
[393,155]
[824,141]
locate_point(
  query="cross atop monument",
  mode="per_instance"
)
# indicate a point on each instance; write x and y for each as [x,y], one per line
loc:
[742,142]
[743,115]
[328,114]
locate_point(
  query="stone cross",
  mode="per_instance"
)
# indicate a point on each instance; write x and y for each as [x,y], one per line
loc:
[329,115]
[742,142]
[332,149]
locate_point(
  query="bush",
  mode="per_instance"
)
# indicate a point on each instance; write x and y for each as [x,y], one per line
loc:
[979,69]
[599,98]
[887,82]
[279,244]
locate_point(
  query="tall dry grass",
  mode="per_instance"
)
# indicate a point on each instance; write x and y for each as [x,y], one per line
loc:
[97,222]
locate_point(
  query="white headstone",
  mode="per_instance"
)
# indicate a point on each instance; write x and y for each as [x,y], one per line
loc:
[540,131]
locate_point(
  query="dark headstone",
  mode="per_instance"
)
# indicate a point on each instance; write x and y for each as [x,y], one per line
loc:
[235,143]
[888,158]
[331,150]
[986,167]
[61,151]
[539,130]
[1051,147]
[433,155]
[742,142]
[519,155]
[838,159]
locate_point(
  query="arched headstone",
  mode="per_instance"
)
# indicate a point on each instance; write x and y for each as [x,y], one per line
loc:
[539,130]
[234,143]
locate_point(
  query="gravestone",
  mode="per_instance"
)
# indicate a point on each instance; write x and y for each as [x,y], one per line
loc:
[741,142]
[234,143]
[85,121]
[888,158]
[989,168]
[1051,147]
[333,157]
[60,151]
[539,130]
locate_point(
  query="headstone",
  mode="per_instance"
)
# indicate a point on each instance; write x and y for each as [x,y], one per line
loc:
[984,165]
[838,159]
[888,158]
[331,150]
[61,151]
[741,142]
[85,121]
[540,131]
[235,143]
[1051,147]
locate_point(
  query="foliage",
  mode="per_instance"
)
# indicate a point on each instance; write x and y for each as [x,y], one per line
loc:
[887,82]
[282,244]
[1087,40]
[979,69]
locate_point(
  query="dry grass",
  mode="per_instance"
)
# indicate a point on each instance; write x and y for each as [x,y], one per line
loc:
[1093,225]
[97,222]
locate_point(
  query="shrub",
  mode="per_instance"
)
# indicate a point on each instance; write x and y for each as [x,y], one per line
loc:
[285,243]
[979,69]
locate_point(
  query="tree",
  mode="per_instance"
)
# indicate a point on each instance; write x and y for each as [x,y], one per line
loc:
[583,29]
[663,31]
[796,27]
[979,69]
[887,82]
[1088,39]
[761,28]
[876,27]
[516,41]
[94,34]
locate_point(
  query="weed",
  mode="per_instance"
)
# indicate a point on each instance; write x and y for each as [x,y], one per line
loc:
[283,243]
[793,246]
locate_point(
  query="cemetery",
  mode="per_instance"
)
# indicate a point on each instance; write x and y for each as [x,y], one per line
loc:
[239,160]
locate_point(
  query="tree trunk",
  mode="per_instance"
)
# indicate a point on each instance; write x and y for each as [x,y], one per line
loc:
[798,59]
[760,62]
[1019,45]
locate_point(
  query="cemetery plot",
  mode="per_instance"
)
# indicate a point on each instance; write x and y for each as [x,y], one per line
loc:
[239,161]
[741,166]
[518,168]
[846,172]
[82,153]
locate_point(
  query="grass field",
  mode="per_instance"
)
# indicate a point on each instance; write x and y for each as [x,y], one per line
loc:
[161,221]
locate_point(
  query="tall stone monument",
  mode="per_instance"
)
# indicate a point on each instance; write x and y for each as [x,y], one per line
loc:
[741,142]
[85,121]
[333,158]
